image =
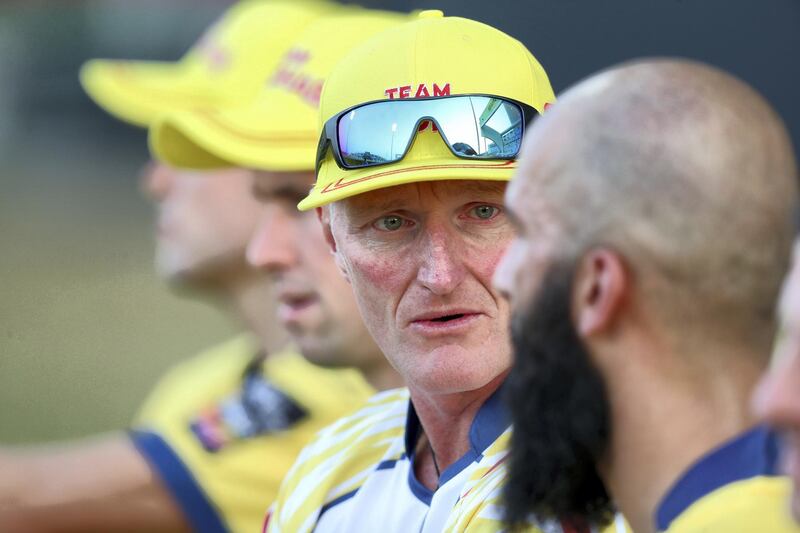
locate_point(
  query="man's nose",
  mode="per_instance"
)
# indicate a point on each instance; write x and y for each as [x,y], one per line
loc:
[156,180]
[777,397]
[273,246]
[441,269]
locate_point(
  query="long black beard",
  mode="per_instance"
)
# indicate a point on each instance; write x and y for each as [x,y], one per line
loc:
[560,413]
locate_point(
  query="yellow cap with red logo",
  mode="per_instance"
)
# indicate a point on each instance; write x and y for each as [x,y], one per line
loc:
[431,56]
[278,130]
[227,66]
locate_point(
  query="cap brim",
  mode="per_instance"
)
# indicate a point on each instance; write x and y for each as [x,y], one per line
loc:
[139,91]
[274,134]
[360,181]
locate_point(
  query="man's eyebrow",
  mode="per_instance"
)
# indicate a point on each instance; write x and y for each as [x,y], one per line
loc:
[286,191]
[363,209]
[484,187]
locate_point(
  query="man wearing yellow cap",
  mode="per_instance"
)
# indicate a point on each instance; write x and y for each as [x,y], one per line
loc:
[276,136]
[417,144]
[213,441]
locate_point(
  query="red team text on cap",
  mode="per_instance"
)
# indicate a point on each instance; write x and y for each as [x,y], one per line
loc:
[421,92]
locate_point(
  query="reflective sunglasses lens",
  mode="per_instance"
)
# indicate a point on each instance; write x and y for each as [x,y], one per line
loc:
[473,126]
[374,134]
[482,127]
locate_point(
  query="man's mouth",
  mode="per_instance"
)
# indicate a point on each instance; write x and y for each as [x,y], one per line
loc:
[449,323]
[297,302]
[448,318]
[292,307]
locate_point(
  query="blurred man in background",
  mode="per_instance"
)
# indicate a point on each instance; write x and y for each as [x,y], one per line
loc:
[654,207]
[276,137]
[777,399]
[213,441]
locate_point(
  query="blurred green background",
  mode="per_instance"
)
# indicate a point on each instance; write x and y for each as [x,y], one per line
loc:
[85,326]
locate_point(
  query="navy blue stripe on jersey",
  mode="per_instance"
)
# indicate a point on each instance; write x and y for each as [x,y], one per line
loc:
[754,453]
[420,491]
[336,501]
[179,481]
[389,463]
[491,420]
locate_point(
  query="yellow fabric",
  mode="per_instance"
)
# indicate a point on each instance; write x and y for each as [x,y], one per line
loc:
[429,56]
[480,507]
[338,461]
[228,65]
[341,458]
[277,131]
[242,479]
[754,505]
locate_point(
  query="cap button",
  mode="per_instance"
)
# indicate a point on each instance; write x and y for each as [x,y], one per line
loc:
[431,14]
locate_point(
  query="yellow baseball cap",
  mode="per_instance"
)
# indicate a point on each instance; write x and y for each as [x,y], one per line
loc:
[278,131]
[227,65]
[432,55]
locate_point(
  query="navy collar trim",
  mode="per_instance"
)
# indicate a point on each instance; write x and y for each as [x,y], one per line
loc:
[492,419]
[751,454]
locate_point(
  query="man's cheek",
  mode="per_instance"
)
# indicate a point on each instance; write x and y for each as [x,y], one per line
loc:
[381,274]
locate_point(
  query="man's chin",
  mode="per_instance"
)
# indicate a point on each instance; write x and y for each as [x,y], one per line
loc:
[456,378]
[183,273]
[317,352]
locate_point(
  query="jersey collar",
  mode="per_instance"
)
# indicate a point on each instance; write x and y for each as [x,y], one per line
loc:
[753,453]
[491,420]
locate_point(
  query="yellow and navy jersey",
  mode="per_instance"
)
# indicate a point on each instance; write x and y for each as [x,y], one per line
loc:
[480,504]
[222,429]
[358,475]
[735,488]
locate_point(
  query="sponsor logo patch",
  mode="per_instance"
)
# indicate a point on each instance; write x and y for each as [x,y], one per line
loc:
[258,408]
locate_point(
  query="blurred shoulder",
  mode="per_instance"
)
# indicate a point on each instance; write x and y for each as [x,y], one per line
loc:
[210,374]
[754,504]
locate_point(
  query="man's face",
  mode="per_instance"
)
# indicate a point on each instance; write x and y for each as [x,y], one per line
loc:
[777,400]
[315,303]
[420,258]
[558,403]
[204,221]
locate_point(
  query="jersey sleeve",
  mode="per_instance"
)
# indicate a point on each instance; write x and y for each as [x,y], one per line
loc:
[335,464]
[221,432]
[200,512]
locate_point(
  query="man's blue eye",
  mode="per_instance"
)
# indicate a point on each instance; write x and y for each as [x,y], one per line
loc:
[484,212]
[390,223]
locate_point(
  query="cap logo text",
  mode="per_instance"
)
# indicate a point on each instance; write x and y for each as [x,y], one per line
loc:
[289,76]
[422,91]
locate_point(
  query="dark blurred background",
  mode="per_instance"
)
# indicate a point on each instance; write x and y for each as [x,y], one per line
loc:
[85,327]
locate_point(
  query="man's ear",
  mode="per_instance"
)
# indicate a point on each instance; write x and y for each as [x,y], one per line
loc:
[602,284]
[324,216]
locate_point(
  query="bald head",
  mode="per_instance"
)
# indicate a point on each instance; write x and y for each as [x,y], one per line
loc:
[684,170]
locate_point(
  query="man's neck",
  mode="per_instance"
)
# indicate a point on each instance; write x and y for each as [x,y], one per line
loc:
[663,425]
[446,420]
